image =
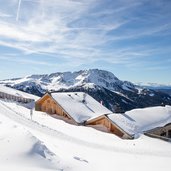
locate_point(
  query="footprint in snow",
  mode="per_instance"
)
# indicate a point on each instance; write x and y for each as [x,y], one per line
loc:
[80,159]
[15,126]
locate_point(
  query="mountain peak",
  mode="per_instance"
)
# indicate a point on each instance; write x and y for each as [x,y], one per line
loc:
[104,86]
[65,80]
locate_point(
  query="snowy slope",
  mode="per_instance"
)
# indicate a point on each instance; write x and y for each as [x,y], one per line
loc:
[45,144]
[20,149]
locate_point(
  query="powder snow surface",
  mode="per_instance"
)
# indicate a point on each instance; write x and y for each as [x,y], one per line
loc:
[80,106]
[44,143]
[48,144]
[140,120]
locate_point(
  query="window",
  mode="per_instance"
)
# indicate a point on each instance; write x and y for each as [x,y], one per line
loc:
[53,110]
[163,134]
[169,134]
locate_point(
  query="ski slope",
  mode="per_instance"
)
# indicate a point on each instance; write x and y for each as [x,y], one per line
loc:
[46,144]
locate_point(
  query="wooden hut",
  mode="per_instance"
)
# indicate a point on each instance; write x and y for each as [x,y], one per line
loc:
[111,126]
[152,121]
[76,106]
[163,132]
[49,105]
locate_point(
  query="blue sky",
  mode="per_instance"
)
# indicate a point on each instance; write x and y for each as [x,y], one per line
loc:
[131,38]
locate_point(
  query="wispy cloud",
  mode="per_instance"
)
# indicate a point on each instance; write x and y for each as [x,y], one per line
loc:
[56,22]
[13,58]
[4,15]
[81,30]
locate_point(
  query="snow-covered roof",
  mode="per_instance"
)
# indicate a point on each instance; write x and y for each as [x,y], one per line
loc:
[140,120]
[80,106]
[17,93]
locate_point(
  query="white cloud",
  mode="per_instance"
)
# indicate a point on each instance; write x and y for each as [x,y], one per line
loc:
[75,29]
[53,25]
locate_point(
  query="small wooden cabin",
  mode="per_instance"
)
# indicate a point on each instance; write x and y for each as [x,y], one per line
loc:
[49,105]
[164,131]
[76,106]
[110,125]
[152,121]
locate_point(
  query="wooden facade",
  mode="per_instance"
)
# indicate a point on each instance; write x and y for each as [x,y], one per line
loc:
[10,97]
[111,127]
[49,105]
[164,131]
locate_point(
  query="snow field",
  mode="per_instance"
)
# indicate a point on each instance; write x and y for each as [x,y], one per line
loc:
[45,143]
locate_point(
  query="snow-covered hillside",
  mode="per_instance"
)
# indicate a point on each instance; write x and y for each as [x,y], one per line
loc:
[46,143]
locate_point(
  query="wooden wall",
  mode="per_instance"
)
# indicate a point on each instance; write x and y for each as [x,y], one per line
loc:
[162,131]
[50,106]
[108,124]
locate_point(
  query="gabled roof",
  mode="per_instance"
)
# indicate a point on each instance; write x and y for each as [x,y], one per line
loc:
[80,106]
[142,120]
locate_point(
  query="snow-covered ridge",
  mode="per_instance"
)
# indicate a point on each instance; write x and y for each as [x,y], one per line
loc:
[67,80]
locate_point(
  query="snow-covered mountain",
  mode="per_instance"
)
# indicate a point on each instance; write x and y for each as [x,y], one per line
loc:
[104,86]
[66,80]
[165,88]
